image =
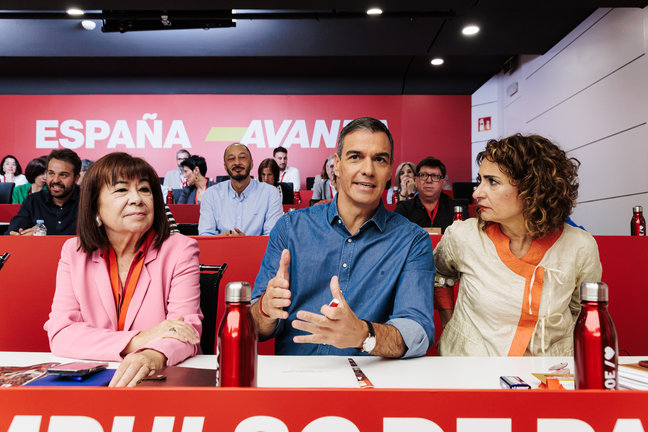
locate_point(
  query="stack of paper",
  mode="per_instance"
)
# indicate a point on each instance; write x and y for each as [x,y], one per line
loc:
[633,377]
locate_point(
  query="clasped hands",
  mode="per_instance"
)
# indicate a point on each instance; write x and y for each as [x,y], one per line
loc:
[140,364]
[337,326]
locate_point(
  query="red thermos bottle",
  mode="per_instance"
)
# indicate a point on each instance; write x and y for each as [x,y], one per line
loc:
[395,195]
[458,213]
[637,223]
[595,340]
[237,339]
[169,197]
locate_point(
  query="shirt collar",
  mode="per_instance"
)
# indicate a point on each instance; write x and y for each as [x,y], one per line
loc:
[249,189]
[379,218]
[73,197]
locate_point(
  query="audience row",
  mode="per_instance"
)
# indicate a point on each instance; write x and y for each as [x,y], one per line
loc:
[344,278]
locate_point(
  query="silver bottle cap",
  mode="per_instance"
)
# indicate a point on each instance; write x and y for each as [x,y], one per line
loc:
[458,209]
[594,291]
[637,209]
[238,292]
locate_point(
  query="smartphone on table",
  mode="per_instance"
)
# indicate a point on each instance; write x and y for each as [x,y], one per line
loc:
[77,369]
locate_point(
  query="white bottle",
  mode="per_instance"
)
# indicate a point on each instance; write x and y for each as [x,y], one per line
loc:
[40,229]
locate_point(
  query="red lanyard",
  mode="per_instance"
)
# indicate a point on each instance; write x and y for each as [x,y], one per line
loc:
[282,176]
[433,215]
[331,190]
[183,181]
[124,293]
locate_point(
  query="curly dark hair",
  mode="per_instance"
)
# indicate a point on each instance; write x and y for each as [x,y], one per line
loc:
[547,180]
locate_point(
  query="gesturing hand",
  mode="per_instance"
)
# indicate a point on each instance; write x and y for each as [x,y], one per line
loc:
[277,294]
[337,326]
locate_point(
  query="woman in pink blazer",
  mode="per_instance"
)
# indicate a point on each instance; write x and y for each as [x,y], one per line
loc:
[125,289]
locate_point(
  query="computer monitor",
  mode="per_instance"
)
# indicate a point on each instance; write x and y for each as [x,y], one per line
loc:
[464,190]
[288,193]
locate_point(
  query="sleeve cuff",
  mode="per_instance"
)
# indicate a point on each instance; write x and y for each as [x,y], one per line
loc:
[413,335]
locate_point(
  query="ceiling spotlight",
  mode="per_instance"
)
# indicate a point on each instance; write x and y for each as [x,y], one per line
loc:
[437,61]
[88,24]
[374,11]
[470,30]
[74,12]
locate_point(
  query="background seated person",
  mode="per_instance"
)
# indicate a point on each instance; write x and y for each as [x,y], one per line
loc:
[125,289]
[327,170]
[85,164]
[287,174]
[520,265]
[11,172]
[35,174]
[174,178]
[430,207]
[375,263]
[57,205]
[325,189]
[268,172]
[194,169]
[404,179]
[240,205]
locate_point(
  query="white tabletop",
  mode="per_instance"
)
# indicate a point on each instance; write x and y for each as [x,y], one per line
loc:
[335,372]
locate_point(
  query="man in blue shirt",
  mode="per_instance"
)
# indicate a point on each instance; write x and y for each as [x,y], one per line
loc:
[376,265]
[241,205]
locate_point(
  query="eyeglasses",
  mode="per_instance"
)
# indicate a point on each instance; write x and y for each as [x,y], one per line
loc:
[434,177]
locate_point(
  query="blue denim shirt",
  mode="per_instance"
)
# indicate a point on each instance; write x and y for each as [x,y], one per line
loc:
[254,212]
[386,273]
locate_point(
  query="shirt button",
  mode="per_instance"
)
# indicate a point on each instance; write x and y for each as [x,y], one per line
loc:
[59,221]
[348,240]
[339,221]
[344,265]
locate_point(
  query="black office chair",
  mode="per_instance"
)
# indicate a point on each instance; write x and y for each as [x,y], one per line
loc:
[310,182]
[221,178]
[188,228]
[6,189]
[287,192]
[210,277]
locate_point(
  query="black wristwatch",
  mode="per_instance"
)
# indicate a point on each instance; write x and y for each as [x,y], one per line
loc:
[370,342]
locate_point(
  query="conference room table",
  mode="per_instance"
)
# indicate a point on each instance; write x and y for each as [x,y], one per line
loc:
[318,393]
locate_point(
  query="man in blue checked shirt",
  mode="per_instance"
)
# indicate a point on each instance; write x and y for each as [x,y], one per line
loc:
[349,277]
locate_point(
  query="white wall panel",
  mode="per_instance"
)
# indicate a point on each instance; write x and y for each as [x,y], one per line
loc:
[614,166]
[614,104]
[536,63]
[609,217]
[612,42]
[592,91]
[486,93]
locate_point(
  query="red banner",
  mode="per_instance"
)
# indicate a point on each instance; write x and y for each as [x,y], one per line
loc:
[156,126]
[310,410]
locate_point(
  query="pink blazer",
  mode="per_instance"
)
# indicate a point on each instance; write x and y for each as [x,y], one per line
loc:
[83,321]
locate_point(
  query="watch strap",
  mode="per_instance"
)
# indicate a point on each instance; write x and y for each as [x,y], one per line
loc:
[372,333]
